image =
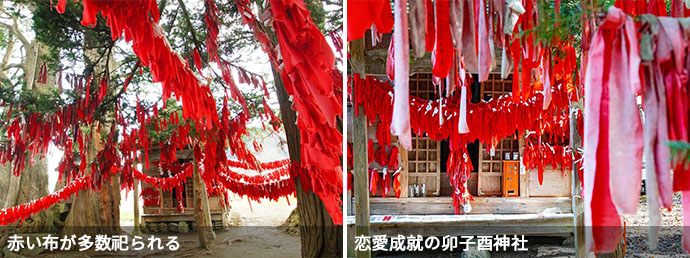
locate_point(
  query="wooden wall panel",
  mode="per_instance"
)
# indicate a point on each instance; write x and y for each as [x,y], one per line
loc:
[556,184]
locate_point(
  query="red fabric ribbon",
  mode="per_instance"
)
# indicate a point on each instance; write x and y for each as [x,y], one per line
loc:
[363,14]
[25,210]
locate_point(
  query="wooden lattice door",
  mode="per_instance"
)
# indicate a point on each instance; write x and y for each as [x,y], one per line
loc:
[424,164]
[424,160]
[490,171]
[189,194]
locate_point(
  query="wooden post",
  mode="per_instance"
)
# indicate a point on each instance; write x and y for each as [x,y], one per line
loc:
[137,229]
[577,202]
[524,172]
[404,191]
[201,226]
[359,136]
[207,211]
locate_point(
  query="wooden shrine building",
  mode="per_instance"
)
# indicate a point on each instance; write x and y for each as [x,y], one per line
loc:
[506,195]
[166,209]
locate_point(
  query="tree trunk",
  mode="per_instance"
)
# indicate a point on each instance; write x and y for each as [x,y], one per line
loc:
[96,212]
[319,236]
[32,183]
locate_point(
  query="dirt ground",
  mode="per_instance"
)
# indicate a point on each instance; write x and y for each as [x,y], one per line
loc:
[255,233]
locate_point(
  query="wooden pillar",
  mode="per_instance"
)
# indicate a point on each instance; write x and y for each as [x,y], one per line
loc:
[160,195]
[207,211]
[577,202]
[524,172]
[137,229]
[201,226]
[404,191]
[359,136]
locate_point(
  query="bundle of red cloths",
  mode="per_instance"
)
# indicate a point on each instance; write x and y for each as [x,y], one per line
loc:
[491,121]
[261,166]
[280,186]
[151,197]
[25,210]
[363,14]
[260,177]
[169,183]
[137,21]
[390,164]
[307,76]
[538,156]
[614,137]
[651,61]
[459,167]
[34,134]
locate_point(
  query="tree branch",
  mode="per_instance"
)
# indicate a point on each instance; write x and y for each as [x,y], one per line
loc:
[14,29]
[185,13]
[10,66]
[8,52]
[109,101]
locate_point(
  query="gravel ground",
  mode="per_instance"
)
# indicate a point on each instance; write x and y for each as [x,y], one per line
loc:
[669,244]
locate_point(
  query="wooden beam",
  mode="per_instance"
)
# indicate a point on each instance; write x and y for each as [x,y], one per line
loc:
[376,62]
[359,134]
[480,205]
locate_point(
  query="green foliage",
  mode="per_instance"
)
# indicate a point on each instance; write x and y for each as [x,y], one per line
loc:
[680,151]
[33,101]
[59,31]
[171,109]
[318,13]
[65,35]
[4,36]
[567,27]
